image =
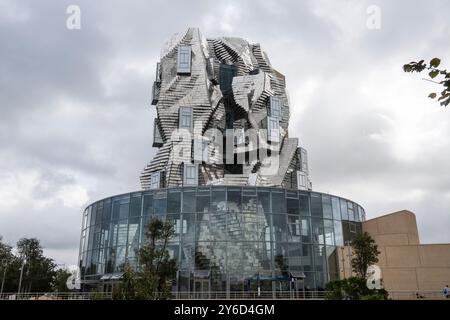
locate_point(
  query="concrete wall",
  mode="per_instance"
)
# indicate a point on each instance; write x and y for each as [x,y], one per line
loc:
[405,263]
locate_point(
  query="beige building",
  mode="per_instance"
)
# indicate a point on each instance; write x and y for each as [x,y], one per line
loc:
[407,266]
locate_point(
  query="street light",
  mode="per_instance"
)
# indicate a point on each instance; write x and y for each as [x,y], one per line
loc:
[4,275]
[21,273]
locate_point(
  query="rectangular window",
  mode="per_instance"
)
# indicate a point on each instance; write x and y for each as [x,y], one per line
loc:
[303,160]
[326,207]
[226,74]
[200,150]
[184,59]
[238,136]
[338,233]
[157,139]
[344,213]
[336,208]
[304,205]
[155,180]
[190,173]
[156,90]
[302,181]
[351,216]
[158,72]
[278,202]
[273,129]
[316,205]
[189,200]
[186,119]
[275,107]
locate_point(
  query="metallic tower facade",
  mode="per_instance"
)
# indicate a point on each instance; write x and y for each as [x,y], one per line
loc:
[222,118]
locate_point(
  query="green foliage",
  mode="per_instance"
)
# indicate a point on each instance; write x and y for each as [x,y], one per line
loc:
[6,255]
[365,253]
[154,281]
[59,283]
[444,98]
[354,288]
[38,273]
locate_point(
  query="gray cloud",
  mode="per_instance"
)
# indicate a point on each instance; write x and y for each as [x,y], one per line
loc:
[76,126]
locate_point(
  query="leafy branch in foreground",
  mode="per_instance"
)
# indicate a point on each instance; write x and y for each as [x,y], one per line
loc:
[433,73]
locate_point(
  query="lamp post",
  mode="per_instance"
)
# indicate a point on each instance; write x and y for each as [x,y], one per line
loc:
[4,275]
[21,274]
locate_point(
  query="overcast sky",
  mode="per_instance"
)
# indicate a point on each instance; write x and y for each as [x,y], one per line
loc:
[76,121]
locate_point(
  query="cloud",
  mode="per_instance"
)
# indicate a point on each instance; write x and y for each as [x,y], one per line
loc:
[76,121]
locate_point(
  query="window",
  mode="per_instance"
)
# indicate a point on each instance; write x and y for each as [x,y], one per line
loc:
[155,180]
[275,107]
[135,205]
[234,202]
[329,232]
[336,208]
[200,150]
[292,206]
[278,202]
[184,59]
[350,211]
[226,74]
[190,174]
[189,200]
[156,89]
[186,118]
[344,213]
[157,139]
[302,180]
[316,205]
[238,136]
[173,201]
[158,72]
[304,205]
[218,202]
[303,160]
[273,129]
[326,207]
[338,233]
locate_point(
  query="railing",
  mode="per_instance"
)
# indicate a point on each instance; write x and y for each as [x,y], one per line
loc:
[250,295]
[57,296]
[416,295]
[212,295]
[219,295]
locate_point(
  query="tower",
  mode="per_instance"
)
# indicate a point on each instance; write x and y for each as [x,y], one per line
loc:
[222,118]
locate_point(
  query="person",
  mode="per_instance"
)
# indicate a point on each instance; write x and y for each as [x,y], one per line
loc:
[446,292]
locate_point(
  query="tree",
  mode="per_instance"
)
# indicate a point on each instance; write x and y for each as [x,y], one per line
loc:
[6,255]
[154,280]
[158,269]
[59,283]
[39,271]
[433,72]
[6,259]
[365,253]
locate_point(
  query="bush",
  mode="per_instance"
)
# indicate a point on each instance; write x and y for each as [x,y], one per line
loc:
[354,288]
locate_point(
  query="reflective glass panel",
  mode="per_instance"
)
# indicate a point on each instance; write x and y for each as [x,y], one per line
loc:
[278,202]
